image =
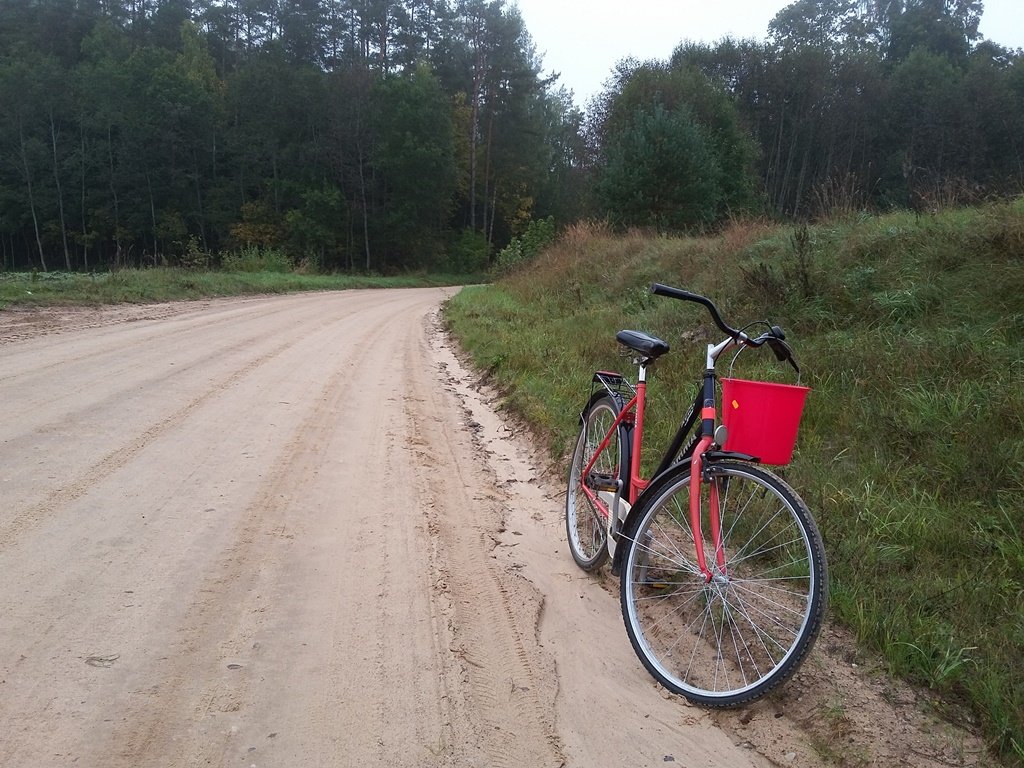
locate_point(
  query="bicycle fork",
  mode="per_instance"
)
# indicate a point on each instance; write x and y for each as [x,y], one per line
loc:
[714,514]
[697,471]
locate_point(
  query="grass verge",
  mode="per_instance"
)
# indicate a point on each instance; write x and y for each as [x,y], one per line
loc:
[910,330]
[140,286]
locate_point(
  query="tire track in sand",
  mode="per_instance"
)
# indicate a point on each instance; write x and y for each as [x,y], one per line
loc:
[492,615]
[202,695]
[227,606]
[21,521]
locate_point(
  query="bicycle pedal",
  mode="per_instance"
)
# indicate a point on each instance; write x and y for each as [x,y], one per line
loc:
[602,482]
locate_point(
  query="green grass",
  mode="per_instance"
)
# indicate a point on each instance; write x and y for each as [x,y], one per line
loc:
[910,330]
[139,286]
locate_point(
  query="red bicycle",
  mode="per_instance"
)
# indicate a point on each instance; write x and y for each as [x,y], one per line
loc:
[723,576]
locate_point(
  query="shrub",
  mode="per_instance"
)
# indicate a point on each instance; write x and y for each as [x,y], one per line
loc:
[522,250]
[468,254]
[254,258]
[195,256]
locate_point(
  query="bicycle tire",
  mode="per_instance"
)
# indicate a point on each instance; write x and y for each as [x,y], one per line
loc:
[730,641]
[586,529]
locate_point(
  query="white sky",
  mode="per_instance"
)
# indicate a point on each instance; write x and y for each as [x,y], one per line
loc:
[583,39]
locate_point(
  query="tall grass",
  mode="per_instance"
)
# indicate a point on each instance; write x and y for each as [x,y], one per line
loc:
[910,329]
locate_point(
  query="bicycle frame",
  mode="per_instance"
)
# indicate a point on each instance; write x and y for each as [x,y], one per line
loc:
[633,412]
[722,588]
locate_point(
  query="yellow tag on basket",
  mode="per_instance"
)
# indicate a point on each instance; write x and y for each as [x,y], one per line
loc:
[735,405]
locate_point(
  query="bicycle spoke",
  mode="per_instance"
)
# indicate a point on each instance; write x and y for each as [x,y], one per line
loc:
[733,635]
[668,553]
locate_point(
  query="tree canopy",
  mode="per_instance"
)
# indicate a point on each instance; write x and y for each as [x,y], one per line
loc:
[872,103]
[356,134]
[387,135]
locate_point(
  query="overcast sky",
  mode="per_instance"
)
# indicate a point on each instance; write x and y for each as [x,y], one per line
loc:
[583,39]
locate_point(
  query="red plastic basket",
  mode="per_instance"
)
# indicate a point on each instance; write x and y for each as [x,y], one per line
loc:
[762,418]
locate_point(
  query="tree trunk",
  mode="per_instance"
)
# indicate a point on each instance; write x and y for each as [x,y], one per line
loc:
[31,197]
[774,165]
[277,199]
[382,40]
[152,213]
[113,194]
[487,176]
[478,75]
[366,219]
[85,228]
[472,167]
[199,200]
[494,210]
[60,195]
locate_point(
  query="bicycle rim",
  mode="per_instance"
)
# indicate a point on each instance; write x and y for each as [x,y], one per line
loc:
[731,640]
[586,528]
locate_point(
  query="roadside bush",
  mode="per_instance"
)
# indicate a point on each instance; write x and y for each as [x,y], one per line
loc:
[195,256]
[254,258]
[468,254]
[538,235]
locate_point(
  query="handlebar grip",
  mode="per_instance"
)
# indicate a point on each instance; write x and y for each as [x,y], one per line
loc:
[659,289]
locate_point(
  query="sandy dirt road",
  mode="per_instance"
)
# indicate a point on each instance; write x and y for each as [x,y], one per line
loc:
[293,532]
[265,532]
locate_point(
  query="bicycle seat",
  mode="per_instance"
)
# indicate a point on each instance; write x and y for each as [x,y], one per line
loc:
[650,347]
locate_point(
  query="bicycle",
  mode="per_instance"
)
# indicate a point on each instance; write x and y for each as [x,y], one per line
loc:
[723,575]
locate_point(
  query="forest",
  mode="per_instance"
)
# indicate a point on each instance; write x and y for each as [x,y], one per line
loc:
[383,136]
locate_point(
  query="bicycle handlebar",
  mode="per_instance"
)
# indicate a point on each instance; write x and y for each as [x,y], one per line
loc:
[658,289]
[775,338]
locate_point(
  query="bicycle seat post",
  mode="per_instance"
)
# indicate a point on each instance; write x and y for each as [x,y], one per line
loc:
[641,370]
[636,482]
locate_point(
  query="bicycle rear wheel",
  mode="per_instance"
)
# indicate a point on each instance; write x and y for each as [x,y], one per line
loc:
[586,528]
[731,640]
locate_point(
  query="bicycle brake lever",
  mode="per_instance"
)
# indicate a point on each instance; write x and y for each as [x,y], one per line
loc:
[783,352]
[780,348]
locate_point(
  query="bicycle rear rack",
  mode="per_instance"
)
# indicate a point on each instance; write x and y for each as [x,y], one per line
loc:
[615,385]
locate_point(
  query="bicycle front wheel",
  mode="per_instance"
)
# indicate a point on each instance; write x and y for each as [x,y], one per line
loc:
[729,640]
[586,528]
